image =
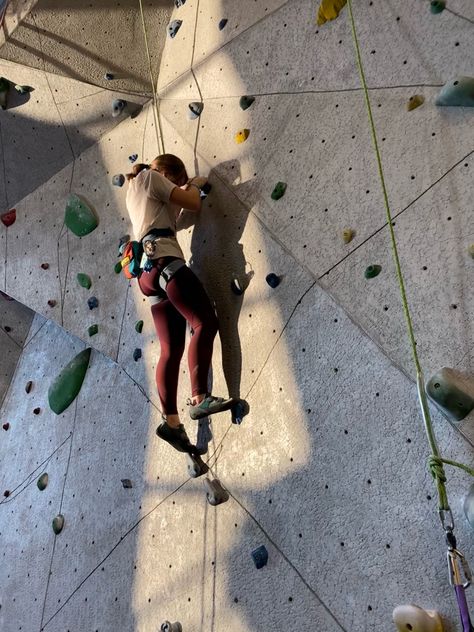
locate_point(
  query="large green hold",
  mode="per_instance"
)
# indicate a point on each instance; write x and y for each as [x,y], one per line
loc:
[42,482]
[79,217]
[458,91]
[84,280]
[65,388]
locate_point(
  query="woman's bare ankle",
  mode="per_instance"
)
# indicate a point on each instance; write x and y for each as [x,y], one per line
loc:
[197,399]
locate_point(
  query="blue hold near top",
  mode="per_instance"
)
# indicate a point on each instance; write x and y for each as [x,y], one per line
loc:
[222,23]
[92,302]
[260,556]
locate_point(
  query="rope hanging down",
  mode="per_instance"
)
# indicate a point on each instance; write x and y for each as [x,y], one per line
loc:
[457,564]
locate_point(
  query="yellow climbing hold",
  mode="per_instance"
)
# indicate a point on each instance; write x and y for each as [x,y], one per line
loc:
[415,101]
[329,10]
[347,235]
[242,135]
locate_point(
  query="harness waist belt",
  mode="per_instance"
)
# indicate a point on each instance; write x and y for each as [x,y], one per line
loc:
[156,233]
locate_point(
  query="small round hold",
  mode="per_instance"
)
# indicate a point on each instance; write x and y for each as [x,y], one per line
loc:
[45,266]
[118,106]
[109,76]
[6,426]
[58,524]
[242,135]
[437,6]
[118,180]
[137,354]
[28,386]
[222,23]
[139,326]
[273,280]
[93,302]
[133,158]
[6,493]
[37,411]
[173,28]
[235,286]
[42,482]
[51,302]
[195,109]
[372,271]
[471,250]
[347,235]
[246,101]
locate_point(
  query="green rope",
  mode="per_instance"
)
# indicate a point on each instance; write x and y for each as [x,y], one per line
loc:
[435,461]
[156,115]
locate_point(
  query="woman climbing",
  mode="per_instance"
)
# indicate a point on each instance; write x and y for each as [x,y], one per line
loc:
[156,194]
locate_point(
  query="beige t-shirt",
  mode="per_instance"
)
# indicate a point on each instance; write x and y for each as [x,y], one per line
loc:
[149,207]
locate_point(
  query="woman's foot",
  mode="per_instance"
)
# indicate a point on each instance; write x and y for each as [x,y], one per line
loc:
[176,437]
[209,406]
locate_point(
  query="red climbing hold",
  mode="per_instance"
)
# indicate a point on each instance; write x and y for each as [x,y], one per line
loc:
[6,426]
[9,217]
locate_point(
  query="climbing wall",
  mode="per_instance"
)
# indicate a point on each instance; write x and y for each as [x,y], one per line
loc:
[328,470]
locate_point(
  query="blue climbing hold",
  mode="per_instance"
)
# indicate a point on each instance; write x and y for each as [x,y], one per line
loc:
[137,354]
[93,302]
[118,106]
[458,91]
[173,27]
[133,158]
[195,109]
[222,23]
[260,556]
[179,3]
[437,6]
[109,76]
[118,180]
[273,280]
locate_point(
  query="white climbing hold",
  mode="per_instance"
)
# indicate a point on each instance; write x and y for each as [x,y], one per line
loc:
[195,109]
[173,27]
[118,106]
[411,617]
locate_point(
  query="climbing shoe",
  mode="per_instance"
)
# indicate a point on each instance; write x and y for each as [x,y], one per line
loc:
[209,406]
[176,437]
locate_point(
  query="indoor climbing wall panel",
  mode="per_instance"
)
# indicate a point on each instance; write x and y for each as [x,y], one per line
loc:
[12,12]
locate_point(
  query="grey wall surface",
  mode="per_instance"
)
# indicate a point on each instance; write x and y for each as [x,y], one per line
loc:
[329,468]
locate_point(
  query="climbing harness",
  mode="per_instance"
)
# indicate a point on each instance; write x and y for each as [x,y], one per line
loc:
[165,277]
[458,566]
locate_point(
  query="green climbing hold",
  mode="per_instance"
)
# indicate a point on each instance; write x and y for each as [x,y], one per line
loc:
[93,330]
[4,87]
[42,482]
[437,6]
[449,390]
[279,190]
[415,101]
[84,280]
[458,91]
[139,326]
[372,271]
[79,217]
[58,524]
[65,388]
[471,250]
[246,101]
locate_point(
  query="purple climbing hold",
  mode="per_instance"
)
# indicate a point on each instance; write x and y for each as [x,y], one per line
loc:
[93,302]
[222,23]
[137,354]
[133,157]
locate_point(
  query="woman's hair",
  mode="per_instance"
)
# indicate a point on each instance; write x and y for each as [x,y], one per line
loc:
[173,166]
[140,166]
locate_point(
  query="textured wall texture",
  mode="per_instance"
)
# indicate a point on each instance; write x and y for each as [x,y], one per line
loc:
[329,468]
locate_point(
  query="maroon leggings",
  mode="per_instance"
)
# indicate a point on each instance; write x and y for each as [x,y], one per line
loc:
[185,300]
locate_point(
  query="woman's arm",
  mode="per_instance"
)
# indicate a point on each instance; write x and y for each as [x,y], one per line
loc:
[189,199]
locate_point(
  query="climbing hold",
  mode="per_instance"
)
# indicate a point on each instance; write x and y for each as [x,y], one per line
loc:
[51,302]
[179,3]
[45,266]
[196,466]
[93,330]
[415,101]
[273,280]
[118,180]
[7,328]
[65,388]
[236,287]
[195,109]
[471,250]
[127,483]
[260,556]
[222,23]
[457,91]
[447,389]
[279,190]
[437,6]
[9,217]
[137,354]
[414,618]
[329,10]
[84,280]
[216,494]
[118,106]
[347,235]
[36,411]
[92,302]
[242,135]
[23,89]
[109,76]
[133,158]
[42,482]
[139,326]
[167,626]
[372,271]
[6,426]
[28,386]
[173,27]
[246,101]
[79,217]
[58,524]
[468,506]
[6,493]
[4,88]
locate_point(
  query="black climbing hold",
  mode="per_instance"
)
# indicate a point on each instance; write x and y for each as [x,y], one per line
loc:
[6,493]
[37,411]
[195,109]
[7,328]
[458,91]
[179,3]
[139,326]
[372,271]
[222,23]
[173,27]
[51,302]
[93,330]
[84,280]
[6,426]
[273,280]
[4,88]
[118,180]
[8,218]
[28,386]
[109,76]
[167,626]
[279,190]
[42,482]
[437,6]
[216,494]
[118,106]
[133,158]
[58,524]
[65,388]
[45,266]
[447,388]
[246,101]
[127,483]
[236,287]
[137,354]
[206,188]
[260,556]
[79,217]
[93,302]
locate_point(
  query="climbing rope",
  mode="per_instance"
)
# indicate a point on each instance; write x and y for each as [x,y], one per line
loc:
[435,462]
[156,113]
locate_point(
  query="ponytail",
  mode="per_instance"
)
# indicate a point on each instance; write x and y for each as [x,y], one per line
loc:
[136,169]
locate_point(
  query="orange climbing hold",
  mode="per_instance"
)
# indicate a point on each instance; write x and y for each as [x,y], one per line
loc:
[242,135]
[329,10]
[9,217]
